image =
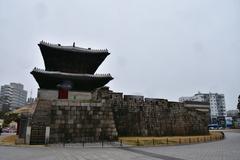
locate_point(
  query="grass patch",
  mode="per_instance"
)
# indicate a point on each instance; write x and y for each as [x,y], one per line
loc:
[8,139]
[170,140]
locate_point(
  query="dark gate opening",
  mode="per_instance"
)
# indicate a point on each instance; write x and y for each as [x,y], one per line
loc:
[62,93]
[38,134]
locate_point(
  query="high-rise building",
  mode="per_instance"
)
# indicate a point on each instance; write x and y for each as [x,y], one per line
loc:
[217,103]
[13,95]
[238,106]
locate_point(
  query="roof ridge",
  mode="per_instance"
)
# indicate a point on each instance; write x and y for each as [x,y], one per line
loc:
[72,47]
[65,73]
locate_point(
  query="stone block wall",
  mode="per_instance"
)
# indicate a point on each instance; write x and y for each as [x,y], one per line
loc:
[77,121]
[109,114]
[39,121]
[136,116]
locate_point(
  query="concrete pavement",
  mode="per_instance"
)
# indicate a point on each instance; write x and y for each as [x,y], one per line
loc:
[227,149]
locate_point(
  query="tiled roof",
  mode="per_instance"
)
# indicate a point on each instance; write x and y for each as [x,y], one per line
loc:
[71,74]
[73,48]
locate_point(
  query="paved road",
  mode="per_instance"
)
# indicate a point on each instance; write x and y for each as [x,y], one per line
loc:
[227,149]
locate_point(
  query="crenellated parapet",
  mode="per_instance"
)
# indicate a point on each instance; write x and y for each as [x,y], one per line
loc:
[156,101]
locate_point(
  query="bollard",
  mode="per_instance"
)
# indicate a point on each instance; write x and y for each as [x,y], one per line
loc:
[180,141]
[28,135]
[121,142]
[83,144]
[138,143]
[223,135]
[47,134]
[102,143]
[153,141]
[167,141]
[189,141]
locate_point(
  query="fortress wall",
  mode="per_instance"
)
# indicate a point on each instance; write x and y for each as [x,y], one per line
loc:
[159,120]
[109,114]
[78,121]
[138,116]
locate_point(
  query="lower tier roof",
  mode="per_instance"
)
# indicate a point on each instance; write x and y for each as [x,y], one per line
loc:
[77,82]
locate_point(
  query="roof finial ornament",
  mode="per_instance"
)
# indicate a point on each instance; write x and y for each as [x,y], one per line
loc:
[73,44]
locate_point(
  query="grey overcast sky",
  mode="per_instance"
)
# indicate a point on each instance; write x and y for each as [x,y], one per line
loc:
[159,48]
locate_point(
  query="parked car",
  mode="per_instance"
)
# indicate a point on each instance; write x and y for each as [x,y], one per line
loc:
[8,130]
[213,126]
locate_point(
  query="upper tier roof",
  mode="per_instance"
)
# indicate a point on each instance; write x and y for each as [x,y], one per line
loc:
[79,82]
[71,59]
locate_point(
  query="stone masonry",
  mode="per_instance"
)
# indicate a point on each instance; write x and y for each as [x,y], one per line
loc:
[158,117]
[109,114]
[79,121]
